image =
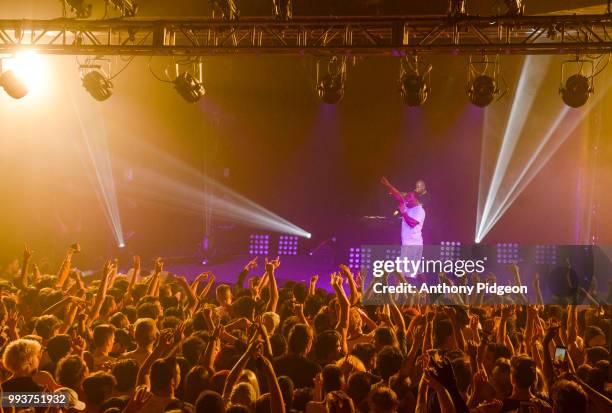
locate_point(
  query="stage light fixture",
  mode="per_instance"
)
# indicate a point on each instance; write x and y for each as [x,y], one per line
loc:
[414,81]
[450,250]
[482,91]
[283,9]
[127,8]
[288,245]
[188,87]
[259,244]
[13,85]
[359,257]
[22,73]
[414,89]
[330,83]
[79,7]
[97,84]
[484,77]
[187,79]
[227,9]
[576,91]
[546,254]
[515,7]
[456,8]
[507,253]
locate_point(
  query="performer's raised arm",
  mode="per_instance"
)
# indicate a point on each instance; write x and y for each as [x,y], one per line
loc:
[392,190]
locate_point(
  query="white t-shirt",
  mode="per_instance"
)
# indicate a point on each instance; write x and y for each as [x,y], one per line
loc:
[412,235]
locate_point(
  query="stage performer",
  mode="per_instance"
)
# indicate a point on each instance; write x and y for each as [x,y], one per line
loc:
[413,217]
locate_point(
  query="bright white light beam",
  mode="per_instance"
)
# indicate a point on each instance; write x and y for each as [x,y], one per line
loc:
[248,208]
[528,173]
[532,75]
[93,129]
[172,191]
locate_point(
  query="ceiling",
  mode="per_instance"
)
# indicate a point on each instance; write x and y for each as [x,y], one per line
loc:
[44,9]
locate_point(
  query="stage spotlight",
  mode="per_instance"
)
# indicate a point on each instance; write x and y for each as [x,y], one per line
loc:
[330,85]
[456,8]
[188,87]
[79,8]
[283,9]
[13,85]
[98,86]
[414,81]
[515,7]
[330,89]
[226,8]
[121,245]
[413,89]
[482,91]
[484,77]
[576,91]
[128,8]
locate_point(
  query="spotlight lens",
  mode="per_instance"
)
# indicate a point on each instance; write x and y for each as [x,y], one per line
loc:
[121,245]
[576,91]
[483,91]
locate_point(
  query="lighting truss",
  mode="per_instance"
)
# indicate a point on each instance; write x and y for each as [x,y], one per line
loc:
[287,245]
[259,244]
[379,35]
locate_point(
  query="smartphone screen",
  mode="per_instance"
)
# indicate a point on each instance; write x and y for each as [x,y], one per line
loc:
[560,353]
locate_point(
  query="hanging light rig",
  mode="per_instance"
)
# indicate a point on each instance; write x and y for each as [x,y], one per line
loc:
[414,80]
[576,89]
[485,82]
[282,9]
[95,79]
[188,80]
[331,77]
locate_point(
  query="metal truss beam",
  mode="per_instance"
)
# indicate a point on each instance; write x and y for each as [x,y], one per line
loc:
[575,34]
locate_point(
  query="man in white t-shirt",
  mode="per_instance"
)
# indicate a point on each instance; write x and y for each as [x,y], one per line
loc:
[413,216]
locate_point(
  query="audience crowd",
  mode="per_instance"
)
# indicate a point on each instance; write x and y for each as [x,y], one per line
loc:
[157,342]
